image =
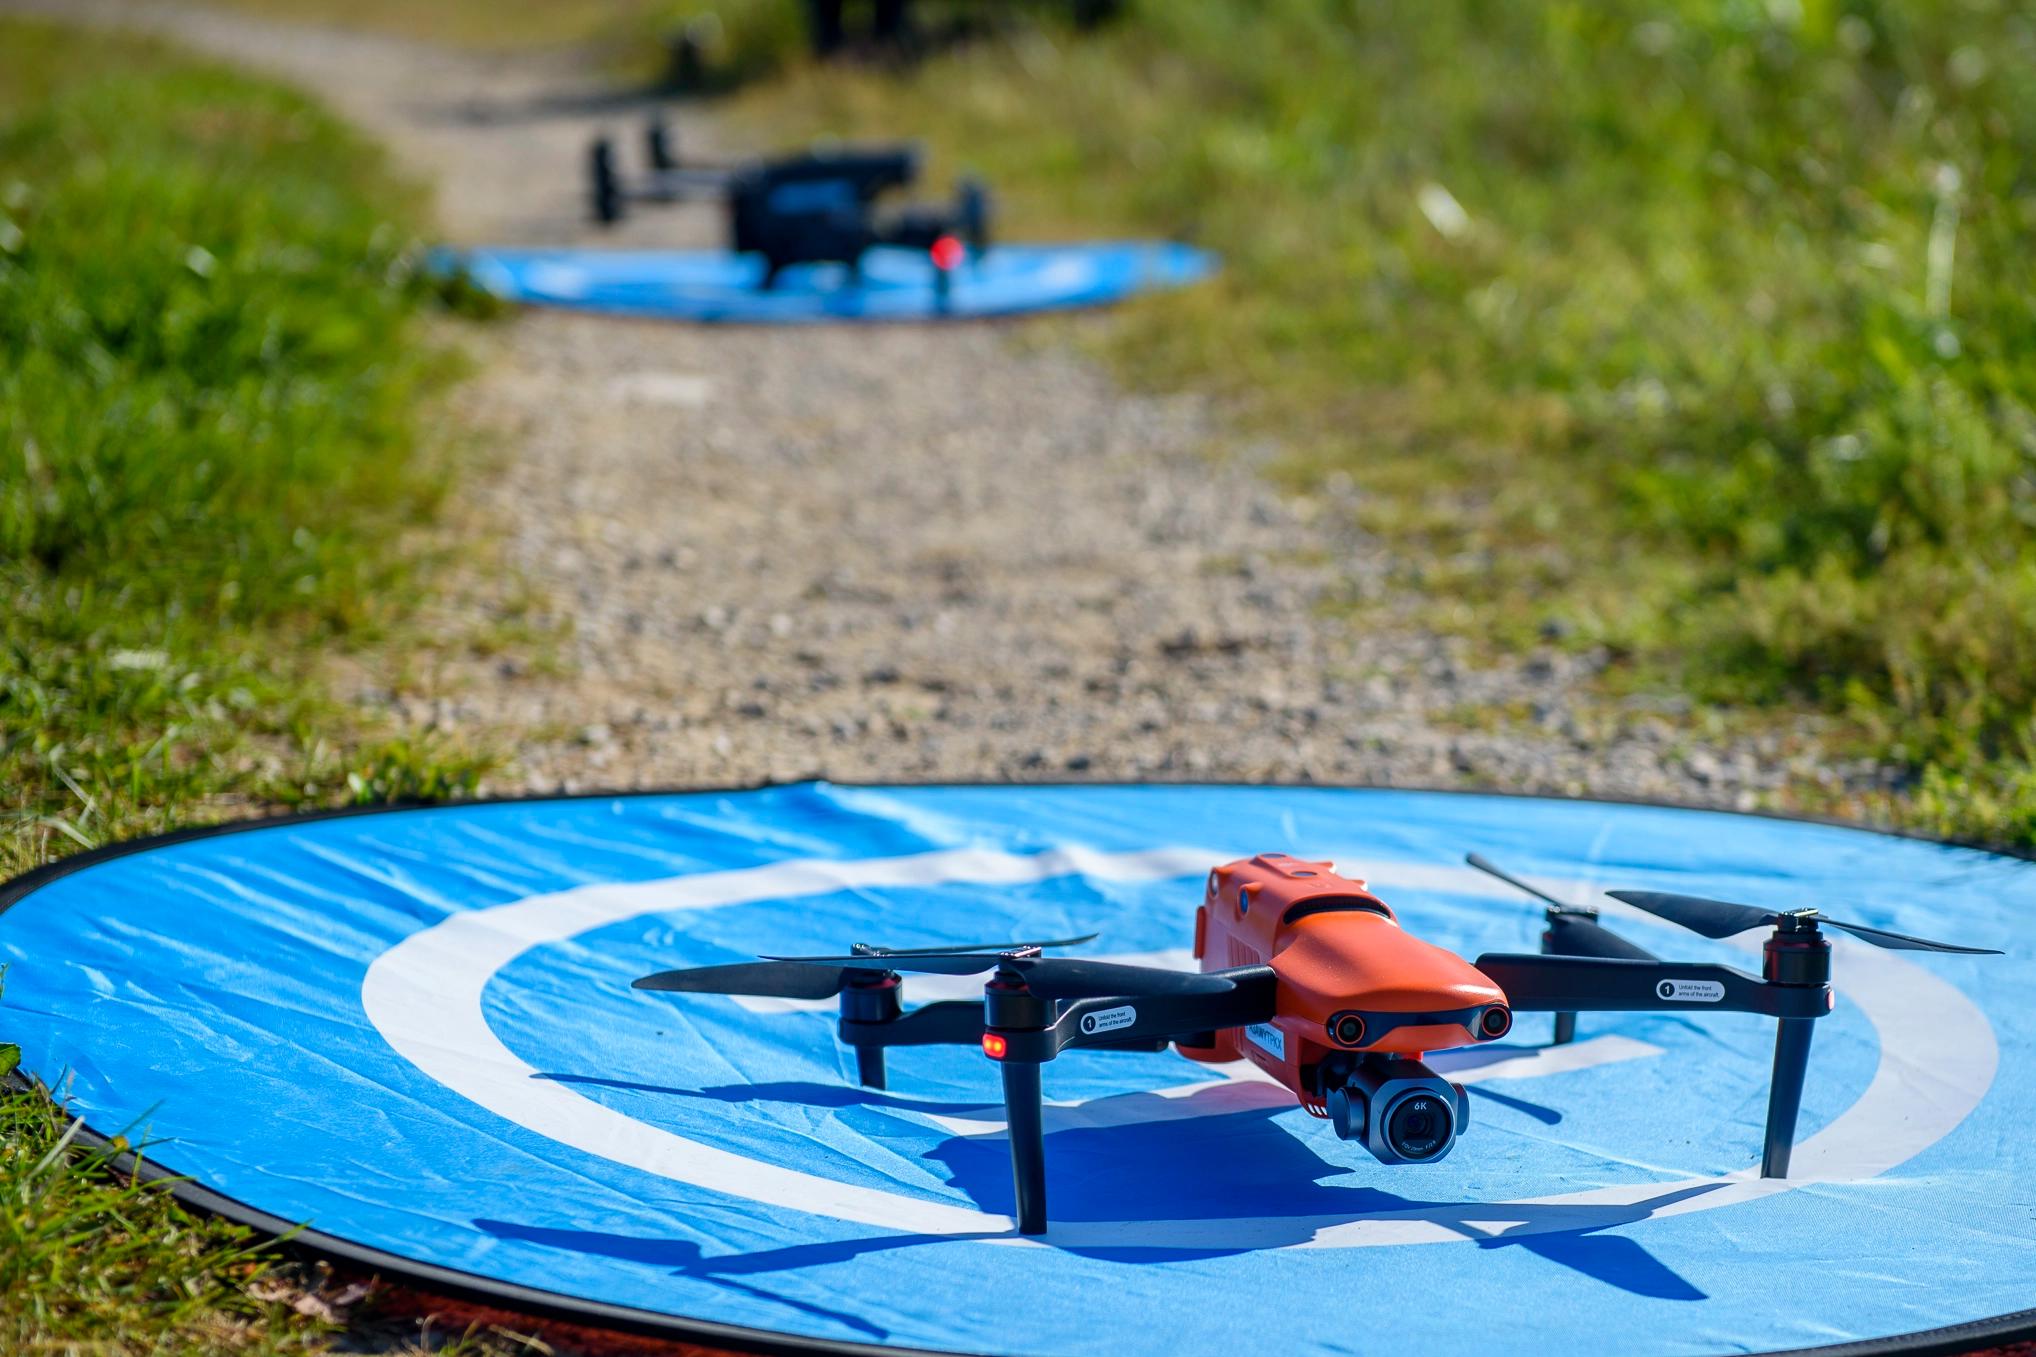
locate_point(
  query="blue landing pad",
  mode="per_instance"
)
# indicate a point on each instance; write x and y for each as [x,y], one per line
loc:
[413,1029]
[896,284]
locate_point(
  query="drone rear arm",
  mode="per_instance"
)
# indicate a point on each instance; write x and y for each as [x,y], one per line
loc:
[872,1024]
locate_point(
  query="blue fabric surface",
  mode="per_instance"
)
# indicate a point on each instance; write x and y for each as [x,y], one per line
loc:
[897,284]
[297,1015]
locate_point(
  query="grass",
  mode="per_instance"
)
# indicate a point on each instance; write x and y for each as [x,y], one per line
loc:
[1696,330]
[215,378]
[154,1278]
[211,385]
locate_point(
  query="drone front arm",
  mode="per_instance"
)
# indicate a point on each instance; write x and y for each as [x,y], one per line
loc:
[1603,984]
[1617,985]
[1022,1048]
[1161,1018]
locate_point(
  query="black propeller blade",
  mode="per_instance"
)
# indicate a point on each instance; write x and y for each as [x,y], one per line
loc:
[1573,929]
[775,979]
[1722,918]
[925,963]
[983,946]
[1075,978]
[1047,977]
[1575,935]
[822,977]
[1490,868]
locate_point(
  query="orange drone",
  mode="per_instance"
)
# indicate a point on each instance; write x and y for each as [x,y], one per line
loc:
[1310,976]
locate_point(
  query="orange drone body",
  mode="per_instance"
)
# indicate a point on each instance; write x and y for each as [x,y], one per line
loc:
[1341,957]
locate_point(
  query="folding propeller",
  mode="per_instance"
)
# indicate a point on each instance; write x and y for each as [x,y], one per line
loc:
[774,979]
[1574,929]
[946,948]
[1047,977]
[825,977]
[1721,919]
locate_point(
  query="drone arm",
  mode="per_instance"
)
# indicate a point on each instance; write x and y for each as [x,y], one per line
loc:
[1021,1048]
[1161,1018]
[1620,985]
[1603,984]
[679,185]
[955,1022]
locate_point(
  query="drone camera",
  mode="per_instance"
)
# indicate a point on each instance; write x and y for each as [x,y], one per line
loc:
[1400,1110]
[1347,1029]
[1495,1022]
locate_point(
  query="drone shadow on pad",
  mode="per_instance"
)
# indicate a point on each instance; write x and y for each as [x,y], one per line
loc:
[1237,1167]
[1234,1166]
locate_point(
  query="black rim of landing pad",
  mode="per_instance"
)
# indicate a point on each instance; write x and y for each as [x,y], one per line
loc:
[1970,1336]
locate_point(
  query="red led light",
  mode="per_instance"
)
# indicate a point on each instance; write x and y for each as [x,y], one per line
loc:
[994,1046]
[946,252]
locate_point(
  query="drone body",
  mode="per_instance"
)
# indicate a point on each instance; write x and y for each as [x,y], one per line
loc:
[1311,977]
[1357,1002]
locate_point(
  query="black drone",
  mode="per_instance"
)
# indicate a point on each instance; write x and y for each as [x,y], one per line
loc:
[817,207]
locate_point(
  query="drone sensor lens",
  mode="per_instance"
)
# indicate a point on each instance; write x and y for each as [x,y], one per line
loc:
[1349,1029]
[1494,1023]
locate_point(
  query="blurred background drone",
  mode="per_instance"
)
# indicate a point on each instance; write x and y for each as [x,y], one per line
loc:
[813,207]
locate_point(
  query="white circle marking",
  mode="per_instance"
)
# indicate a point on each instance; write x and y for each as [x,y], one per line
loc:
[424,995]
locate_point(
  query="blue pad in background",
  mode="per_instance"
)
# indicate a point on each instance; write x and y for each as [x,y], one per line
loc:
[897,284]
[414,1029]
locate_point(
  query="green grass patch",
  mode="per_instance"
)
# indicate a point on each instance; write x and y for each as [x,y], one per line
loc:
[211,378]
[1700,330]
[92,1261]
[213,385]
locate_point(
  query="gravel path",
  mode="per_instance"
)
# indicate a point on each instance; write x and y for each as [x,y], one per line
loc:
[913,552]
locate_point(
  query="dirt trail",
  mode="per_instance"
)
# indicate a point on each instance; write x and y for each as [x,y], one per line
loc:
[906,551]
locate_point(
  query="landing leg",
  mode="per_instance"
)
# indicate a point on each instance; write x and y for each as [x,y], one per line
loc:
[1785,1093]
[869,1066]
[605,183]
[1023,1114]
[1565,1028]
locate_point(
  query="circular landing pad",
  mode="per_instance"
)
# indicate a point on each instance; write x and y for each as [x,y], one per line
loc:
[414,1030]
[896,284]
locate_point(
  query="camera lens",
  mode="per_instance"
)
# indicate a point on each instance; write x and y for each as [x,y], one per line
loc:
[1495,1022]
[1419,1127]
[1349,1029]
